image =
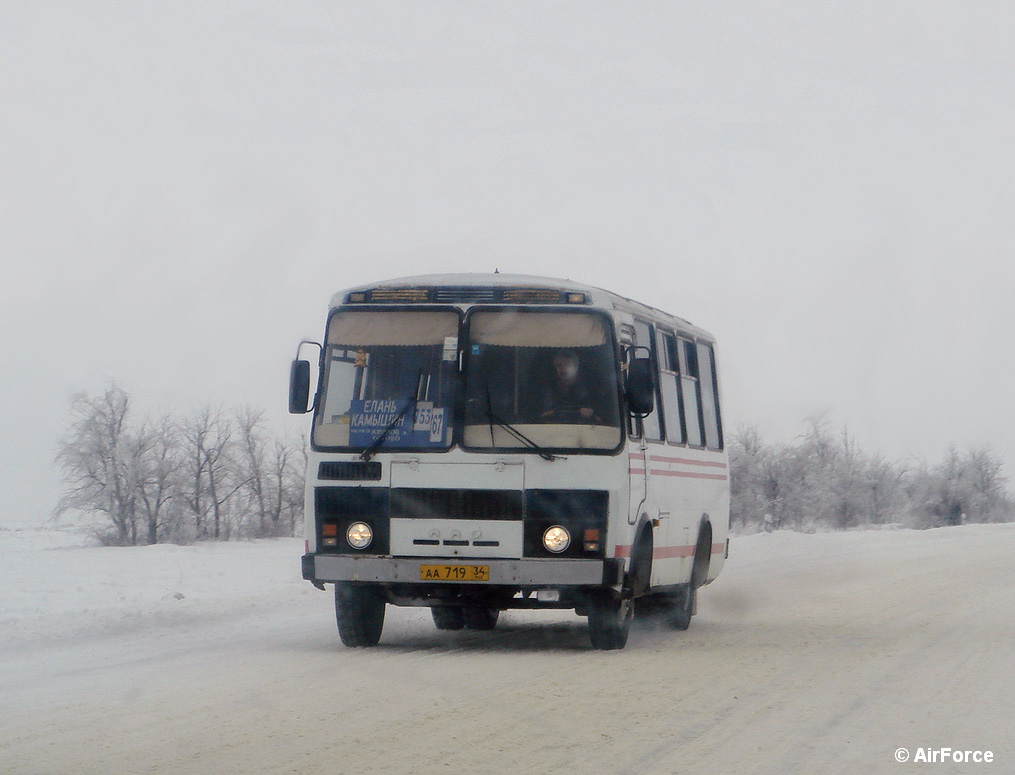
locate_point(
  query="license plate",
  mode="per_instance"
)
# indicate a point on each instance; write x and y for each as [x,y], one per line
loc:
[454,572]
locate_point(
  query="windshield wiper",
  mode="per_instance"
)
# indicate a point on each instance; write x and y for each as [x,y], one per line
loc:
[376,443]
[493,418]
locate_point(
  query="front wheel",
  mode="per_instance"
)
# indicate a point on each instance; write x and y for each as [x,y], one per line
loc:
[359,611]
[481,618]
[448,617]
[610,622]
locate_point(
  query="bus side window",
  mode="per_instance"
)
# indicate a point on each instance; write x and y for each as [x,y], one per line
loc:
[709,397]
[669,387]
[651,425]
[690,391]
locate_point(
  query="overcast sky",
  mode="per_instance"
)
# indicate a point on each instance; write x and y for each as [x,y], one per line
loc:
[827,187]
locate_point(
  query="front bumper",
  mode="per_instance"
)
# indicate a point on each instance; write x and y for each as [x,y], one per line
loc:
[328,568]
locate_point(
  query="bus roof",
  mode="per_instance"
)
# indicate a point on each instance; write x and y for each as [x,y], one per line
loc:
[475,288]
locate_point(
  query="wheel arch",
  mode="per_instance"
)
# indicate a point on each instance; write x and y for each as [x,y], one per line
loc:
[640,568]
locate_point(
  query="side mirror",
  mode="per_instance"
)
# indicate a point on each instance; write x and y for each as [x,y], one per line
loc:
[640,386]
[299,387]
[299,380]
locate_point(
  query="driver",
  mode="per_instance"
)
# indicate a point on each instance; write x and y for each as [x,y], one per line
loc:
[568,397]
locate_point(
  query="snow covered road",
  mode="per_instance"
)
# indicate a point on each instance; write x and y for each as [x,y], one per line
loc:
[811,654]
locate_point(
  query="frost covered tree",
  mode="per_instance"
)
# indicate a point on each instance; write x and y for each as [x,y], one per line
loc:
[252,448]
[285,485]
[987,484]
[963,487]
[825,480]
[291,473]
[749,477]
[213,474]
[97,460]
[884,492]
[273,470]
[158,479]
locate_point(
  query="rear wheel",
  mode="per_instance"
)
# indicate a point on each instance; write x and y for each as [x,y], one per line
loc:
[681,605]
[359,612]
[448,617]
[610,622]
[681,608]
[481,618]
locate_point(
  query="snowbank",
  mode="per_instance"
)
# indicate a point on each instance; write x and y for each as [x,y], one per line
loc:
[53,585]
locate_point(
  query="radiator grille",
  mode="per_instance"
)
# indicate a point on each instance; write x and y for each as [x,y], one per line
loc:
[350,471]
[456,504]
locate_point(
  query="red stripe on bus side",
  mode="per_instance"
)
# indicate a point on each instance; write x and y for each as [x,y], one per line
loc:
[659,552]
[681,474]
[687,474]
[669,552]
[687,461]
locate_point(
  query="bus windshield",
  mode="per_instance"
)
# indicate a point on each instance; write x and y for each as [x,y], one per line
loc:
[541,380]
[389,379]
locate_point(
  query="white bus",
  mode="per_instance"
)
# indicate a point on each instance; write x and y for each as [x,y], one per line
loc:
[491,442]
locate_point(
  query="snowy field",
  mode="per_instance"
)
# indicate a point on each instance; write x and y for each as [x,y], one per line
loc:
[54,586]
[810,654]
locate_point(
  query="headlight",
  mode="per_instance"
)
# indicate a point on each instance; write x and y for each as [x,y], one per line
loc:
[359,535]
[556,539]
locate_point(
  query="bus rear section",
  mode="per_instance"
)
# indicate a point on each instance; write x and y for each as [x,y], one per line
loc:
[474,456]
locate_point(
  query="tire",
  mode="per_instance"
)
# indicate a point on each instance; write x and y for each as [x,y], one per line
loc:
[448,617]
[359,612]
[681,605]
[481,618]
[681,608]
[610,622]
[702,557]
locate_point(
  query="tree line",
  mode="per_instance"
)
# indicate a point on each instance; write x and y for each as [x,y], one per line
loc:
[216,473]
[824,480]
[222,474]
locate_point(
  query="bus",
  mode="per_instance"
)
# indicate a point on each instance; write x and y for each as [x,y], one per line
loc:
[485,442]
